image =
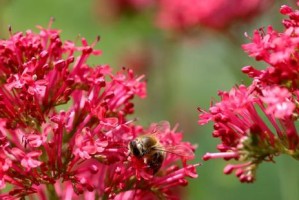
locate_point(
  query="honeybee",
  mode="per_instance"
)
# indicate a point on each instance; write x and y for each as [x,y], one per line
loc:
[148,149]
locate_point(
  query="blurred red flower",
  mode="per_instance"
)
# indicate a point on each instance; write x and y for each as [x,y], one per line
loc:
[110,10]
[217,14]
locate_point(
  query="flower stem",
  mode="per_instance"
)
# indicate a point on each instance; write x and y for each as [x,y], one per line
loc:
[51,192]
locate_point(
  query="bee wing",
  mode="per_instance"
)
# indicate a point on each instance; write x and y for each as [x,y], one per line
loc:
[159,127]
[180,150]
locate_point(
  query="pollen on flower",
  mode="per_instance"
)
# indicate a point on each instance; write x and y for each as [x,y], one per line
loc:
[80,151]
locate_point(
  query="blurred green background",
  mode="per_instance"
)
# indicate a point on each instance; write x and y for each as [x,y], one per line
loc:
[182,74]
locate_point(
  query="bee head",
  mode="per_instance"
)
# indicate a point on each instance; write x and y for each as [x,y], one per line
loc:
[135,148]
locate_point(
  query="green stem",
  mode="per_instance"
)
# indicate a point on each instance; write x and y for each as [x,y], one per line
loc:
[51,192]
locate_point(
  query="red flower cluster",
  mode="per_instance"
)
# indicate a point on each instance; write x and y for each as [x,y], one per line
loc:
[258,122]
[79,151]
[217,14]
[183,15]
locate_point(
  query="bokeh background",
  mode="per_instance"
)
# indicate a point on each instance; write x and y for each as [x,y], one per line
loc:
[183,71]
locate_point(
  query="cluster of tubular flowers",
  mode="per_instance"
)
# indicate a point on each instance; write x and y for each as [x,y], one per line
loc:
[258,122]
[79,151]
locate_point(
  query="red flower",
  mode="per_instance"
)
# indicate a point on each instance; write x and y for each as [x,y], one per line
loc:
[279,102]
[245,134]
[81,151]
[257,123]
[279,50]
